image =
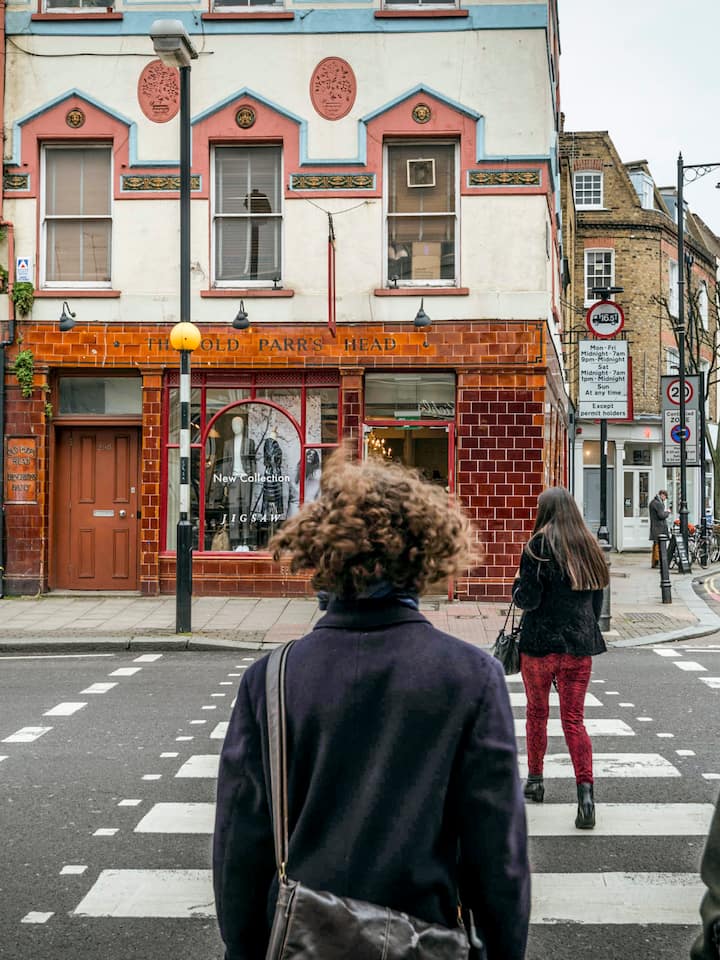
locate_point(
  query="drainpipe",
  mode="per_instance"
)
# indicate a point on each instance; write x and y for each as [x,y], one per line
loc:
[4,344]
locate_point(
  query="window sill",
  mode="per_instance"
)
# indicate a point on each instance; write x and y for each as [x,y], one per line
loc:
[434,13]
[68,294]
[422,292]
[247,294]
[82,15]
[250,15]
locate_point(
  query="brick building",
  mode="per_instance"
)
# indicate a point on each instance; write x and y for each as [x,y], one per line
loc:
[351,163]
[619,230]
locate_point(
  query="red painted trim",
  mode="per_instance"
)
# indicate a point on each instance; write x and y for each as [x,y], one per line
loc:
[422,292]
[252,292]
[76,16]
[418,14]
[269,15]
[77,294]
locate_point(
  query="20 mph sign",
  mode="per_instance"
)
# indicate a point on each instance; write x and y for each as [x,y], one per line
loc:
[605,319]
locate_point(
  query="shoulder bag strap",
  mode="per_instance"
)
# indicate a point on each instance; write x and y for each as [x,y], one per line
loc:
[277,744]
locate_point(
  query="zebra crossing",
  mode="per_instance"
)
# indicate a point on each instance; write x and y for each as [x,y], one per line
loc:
[581,880]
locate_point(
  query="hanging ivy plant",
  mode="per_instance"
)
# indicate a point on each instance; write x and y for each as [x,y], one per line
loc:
[25,371]
[23,296]
[3,279]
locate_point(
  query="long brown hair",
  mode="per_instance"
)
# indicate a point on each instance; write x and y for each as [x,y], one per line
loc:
[570,542]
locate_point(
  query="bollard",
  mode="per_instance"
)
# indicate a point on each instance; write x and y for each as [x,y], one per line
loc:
[604,621]
[665,585]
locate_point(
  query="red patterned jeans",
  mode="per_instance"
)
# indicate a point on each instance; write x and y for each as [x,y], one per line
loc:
[573,676]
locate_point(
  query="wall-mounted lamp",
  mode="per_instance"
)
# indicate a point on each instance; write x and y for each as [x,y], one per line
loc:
[421,318]
[394,281]
[241,321]
[67,318]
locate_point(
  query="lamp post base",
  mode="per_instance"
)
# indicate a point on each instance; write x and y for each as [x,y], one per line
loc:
[183,578]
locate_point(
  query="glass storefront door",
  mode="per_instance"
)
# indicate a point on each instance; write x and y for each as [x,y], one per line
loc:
[636,499]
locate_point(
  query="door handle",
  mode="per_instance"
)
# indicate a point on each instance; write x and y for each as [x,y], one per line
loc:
[122,513]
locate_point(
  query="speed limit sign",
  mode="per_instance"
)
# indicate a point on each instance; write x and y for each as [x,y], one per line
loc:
[670,392]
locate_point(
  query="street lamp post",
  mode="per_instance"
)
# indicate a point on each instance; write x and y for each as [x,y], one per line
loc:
[698,170]
[174,47]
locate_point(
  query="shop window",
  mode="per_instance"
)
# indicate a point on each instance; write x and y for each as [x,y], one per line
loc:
[599,272]
[422,204]
[76,219]
[257,455]
[410,5]
[588,189]
[108,396]
[637,455]
[410,396]
[247,216]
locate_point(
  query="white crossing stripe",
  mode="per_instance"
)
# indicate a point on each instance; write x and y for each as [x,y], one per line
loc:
[36,917]
[147,658]
[666,653]
[178,818]
[125,672]
[690,665]
[622,820]
[520,700]
[558,766]
[26,734]
[712,682]
[219,731]
[616,898]
[99,688]
[149,893]
[594,726]
[200,765]
[64,709]
[73,869]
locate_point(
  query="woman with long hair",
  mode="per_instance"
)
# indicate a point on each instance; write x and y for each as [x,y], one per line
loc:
[402,778]
[560,586]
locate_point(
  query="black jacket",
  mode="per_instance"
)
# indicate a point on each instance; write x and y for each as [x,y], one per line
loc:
[707,945]
[658,512]
[401,752]
[557,618]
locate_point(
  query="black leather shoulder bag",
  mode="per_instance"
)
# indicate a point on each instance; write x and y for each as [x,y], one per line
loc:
[317,924]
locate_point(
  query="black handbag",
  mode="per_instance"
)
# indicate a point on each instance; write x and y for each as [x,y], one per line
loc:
[316,925]
[505,648]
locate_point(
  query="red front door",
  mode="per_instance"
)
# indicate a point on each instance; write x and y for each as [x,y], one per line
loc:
[95,509]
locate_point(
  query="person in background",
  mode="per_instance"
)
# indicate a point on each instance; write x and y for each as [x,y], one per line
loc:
[403,785]
[707,944]
[659,513]
[560,587]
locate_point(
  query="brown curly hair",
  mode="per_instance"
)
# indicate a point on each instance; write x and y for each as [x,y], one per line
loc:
[376,521]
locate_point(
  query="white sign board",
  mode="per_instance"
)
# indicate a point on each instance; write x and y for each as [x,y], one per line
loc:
[603,383]
[671,438]
[605,318]
[23,270]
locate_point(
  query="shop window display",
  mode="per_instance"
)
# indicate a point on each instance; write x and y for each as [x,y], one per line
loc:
[258,465]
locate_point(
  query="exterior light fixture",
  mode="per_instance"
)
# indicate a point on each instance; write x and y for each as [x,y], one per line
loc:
[241,321]
[421,318]
[67,318]
[172,43]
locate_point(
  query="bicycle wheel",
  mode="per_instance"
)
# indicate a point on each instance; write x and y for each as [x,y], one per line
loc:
[714,547]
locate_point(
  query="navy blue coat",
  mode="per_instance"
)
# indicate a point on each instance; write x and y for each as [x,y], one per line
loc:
[401,752]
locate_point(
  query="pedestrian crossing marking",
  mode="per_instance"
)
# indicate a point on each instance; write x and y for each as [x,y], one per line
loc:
[594,726]
[200,765]
[26,735]
[666,653]
[690,665]
[518,699]
[616,898]
[73,869]
[559,766]
[149,893]
[35,916]
[219,731]
[147,658]
[712,682]
[125,672]
[64,709]
[99,687]
[178,818]
[623,820]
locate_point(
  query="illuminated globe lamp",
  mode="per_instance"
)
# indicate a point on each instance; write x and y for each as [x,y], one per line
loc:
[185,336]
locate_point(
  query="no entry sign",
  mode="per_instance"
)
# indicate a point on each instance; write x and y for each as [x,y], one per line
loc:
[605,319]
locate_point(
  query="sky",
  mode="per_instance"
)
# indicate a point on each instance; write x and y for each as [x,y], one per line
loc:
[648,72]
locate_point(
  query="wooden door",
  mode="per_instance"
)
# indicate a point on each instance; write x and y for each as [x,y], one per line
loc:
[95,509]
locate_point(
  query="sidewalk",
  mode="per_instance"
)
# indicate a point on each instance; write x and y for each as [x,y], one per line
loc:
[129,621]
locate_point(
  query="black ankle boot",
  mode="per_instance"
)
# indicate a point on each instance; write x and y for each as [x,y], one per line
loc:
[585,819]
[534,789]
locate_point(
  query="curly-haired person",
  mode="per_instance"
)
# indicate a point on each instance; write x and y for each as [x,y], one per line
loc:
[403,784]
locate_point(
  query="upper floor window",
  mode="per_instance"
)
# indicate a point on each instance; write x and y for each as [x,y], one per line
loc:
[422,220]
[76,215]
[599,272]
[588,189]
[245,4]
[77,6]
[702,304]
[644,188]
[673,298]
[247,215]
[413,4]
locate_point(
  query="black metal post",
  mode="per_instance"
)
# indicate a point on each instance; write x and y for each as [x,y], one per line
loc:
[681,350]
[183,547]
[603,533]
[704,544]
[665,585]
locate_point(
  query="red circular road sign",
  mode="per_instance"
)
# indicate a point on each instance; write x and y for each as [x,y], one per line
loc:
[672,391]
[605,319]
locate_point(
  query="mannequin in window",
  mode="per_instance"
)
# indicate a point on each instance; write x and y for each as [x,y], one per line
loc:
[238,465]
[273,496]
[313,473]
